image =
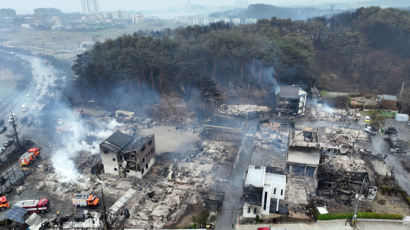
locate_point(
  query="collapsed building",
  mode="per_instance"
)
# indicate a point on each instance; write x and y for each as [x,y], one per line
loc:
[291,101]
[388,102]
[303,155]
[124,155]
[264,192]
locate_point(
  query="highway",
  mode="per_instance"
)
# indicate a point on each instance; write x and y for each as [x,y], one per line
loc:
[29,104]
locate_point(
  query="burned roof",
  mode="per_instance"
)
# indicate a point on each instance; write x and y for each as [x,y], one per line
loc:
[117,141]
[136,144]
[290,92]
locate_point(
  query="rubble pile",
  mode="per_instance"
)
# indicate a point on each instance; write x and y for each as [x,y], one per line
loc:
[299,191]
[341,177]
[324,112]
[240,110]
[342,139]
[270,136]
[174,186]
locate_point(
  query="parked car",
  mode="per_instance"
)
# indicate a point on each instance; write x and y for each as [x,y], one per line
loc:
[370,130]
[2,150]
[4,129]
[8,143]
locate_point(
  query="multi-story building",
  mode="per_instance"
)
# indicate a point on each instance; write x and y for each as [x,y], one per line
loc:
[291,101]
[125,155]
[90,6]
[264,190]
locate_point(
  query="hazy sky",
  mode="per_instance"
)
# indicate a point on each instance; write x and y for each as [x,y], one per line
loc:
[27,6]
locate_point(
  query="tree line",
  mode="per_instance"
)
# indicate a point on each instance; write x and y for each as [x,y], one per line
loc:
[367,49]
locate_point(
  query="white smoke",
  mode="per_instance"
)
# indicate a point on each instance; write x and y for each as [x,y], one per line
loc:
[73,142]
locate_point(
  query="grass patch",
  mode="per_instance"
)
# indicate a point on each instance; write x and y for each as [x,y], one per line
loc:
[363,215]
[324,93]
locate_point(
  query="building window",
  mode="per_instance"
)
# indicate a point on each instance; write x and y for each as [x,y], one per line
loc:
[274,191]
[265,200]
[281,192]
[254,210]
[152,150]
[150,142]
[128,170]
[105,151]
[143,159]
[146,166]
[113,159]
[115,169]
[249,209]
[142,171]
[143,148]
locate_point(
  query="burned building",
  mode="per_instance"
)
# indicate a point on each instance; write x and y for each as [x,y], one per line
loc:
[125,155]
[304,153]
[264,190]
[291,101]
[388,102]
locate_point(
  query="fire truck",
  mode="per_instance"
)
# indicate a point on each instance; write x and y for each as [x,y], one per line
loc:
[34,206]
[85,200]
[4,204]
[29,156]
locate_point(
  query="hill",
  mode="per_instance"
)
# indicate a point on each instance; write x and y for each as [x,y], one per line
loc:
[368,49]
[264,11]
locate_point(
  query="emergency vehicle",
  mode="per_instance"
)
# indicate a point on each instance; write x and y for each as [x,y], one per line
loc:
[4,204]
[85,200]
[34,206]
[29,156]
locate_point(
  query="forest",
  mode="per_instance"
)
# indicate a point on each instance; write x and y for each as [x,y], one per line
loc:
[367,50]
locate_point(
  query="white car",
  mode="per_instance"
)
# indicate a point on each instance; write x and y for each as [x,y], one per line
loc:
[60,121]
[23,107]
[33,107]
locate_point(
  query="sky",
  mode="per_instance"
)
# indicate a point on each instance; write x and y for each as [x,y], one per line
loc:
[27,6]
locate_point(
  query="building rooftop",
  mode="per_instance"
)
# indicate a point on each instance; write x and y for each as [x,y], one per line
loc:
[119,139]
[255,176]
[306,138]
[308,158]
[271,178]
[387,97]
[137,143]
[291,92]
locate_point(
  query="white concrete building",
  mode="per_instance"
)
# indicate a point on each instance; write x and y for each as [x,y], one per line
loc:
[291,100]
[263,192]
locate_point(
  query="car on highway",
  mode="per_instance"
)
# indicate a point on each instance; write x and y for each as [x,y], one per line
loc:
[2,150]
[4,129]
[8,143]
[23,120]
[10,118]
[370,130]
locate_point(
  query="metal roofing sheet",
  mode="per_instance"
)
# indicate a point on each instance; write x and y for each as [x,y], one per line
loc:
[16,213]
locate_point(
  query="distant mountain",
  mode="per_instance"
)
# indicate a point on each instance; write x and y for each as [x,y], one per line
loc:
[260,11]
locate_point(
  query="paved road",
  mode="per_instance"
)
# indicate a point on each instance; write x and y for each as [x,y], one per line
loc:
[30,102]
[232,204]
[332,225]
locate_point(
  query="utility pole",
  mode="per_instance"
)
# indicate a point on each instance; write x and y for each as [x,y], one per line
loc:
[354,220]
[16,136]
[401,91]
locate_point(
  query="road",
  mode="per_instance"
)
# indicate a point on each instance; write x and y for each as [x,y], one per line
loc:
[31,101]
[232,204]
[333,225]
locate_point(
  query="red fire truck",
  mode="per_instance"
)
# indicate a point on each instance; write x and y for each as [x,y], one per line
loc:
[85,200]
[34,206]
[29,156]
[4,203]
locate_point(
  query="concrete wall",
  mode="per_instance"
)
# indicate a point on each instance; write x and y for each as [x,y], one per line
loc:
[110,162]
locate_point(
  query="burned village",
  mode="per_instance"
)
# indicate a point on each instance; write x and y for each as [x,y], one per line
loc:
[225,115]
[297,161]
